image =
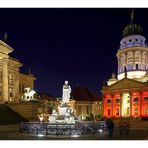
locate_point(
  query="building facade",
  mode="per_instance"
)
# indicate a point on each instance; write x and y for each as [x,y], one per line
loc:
[127,95]
[85,103]
[12,82]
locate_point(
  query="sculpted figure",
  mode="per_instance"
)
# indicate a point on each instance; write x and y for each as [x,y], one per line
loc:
[66,93]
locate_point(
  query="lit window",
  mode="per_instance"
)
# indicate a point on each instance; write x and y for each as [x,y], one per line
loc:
[146,111]
[136,111]
[10,94]
[10,79]
[117,112]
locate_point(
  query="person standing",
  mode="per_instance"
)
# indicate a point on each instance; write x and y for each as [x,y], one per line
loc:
[110,126]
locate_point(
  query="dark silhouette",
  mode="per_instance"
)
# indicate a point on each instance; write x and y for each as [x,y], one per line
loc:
[110,127]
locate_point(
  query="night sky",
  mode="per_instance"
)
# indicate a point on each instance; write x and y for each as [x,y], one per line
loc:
[78,45]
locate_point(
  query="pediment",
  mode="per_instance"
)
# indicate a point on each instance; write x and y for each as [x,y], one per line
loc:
[126,84]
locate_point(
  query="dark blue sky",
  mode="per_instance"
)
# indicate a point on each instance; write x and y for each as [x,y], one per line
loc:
[78,45]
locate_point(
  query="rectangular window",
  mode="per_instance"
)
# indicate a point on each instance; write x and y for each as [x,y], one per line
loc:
[117,112]
[136,111]
[108,112]
[108,101]
[10,94]
[10,79]
[145,98]
[146,111]
[117,100]
[136,99]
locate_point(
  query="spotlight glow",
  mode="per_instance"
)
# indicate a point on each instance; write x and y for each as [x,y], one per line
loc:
[75,136]
[40,135]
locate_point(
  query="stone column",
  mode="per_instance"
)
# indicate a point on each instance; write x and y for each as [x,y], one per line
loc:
[120,104]
[131,103]
[5,90]
[118,66]
[141,67]
[133,60]
[140,103]
[112,105]
[16,88]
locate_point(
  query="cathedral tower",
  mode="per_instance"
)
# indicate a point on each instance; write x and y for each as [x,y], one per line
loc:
[133,52]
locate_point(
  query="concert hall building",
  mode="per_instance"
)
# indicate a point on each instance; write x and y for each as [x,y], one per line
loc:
[12,82]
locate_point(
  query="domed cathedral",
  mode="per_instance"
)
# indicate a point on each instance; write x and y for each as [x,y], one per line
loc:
[12,82]
[127,95]
[133,53]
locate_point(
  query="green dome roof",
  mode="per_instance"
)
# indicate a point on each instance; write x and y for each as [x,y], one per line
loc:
[132,29]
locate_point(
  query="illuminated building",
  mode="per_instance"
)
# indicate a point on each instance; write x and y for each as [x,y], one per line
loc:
[127,95]
[85,102]
[12,82]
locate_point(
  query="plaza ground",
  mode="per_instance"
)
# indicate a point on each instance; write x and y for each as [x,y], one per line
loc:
[138,131]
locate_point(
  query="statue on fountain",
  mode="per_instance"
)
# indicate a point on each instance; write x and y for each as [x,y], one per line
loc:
[65,113]
[66,93]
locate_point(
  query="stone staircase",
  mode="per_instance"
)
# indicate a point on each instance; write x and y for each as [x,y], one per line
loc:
[8,116]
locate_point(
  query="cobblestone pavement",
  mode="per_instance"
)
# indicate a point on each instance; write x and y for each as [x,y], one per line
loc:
[137,132]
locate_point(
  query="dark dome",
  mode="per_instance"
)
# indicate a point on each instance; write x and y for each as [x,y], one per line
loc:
[132,29]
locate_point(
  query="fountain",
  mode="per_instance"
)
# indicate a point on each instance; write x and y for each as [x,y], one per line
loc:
[63,121]
[65,113]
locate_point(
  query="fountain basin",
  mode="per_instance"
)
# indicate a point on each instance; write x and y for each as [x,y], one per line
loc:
[45,128]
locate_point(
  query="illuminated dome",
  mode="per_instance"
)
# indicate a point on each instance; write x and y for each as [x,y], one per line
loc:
[132,35]
[133,52]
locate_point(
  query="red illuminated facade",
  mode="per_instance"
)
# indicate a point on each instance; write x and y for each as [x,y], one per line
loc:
[126,98]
